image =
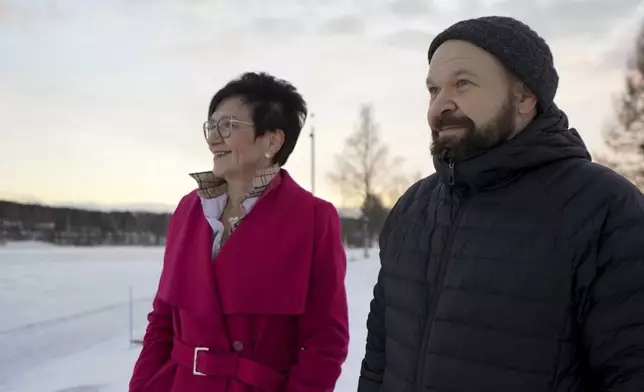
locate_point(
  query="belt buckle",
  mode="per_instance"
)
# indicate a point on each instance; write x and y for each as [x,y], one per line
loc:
[194,362]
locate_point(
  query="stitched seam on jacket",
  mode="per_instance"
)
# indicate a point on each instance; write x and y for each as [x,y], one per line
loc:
[505,332]
[494,365]
[512,296]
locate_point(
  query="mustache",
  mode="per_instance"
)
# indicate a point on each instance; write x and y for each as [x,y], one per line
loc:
[450,120]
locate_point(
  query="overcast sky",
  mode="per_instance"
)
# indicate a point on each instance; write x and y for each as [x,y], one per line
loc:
[103,102]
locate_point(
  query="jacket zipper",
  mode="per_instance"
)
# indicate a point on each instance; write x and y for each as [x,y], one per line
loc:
[438,284]
[451,172]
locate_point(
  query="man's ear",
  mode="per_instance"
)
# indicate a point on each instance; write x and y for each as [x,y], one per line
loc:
[524,99]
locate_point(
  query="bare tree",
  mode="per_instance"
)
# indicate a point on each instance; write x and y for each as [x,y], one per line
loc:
[365,167]
[625,138]
[362,173]
[362,161]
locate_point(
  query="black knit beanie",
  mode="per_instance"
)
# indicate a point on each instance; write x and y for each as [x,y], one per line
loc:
[516,45]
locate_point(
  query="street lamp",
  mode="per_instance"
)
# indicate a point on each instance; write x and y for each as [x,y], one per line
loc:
[312,153]
[365,233]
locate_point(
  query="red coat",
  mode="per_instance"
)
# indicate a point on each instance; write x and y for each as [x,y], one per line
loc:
[268,314]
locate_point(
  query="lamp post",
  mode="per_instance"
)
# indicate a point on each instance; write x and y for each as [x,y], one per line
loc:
[365,233]
[312,153]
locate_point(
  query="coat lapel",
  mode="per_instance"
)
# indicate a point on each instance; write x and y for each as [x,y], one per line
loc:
[187,280]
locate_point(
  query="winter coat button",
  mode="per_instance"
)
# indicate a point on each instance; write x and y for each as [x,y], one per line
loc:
[238,346]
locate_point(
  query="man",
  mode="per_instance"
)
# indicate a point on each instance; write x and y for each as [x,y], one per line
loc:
[519,265]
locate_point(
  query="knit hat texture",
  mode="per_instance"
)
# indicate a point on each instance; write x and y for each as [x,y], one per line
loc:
[519,48]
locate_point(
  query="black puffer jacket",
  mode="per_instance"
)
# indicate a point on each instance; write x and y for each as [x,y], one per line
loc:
[518,270]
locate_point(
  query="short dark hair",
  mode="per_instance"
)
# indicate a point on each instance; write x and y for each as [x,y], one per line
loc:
[275,104]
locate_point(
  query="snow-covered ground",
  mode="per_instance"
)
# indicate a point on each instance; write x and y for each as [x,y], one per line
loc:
[65,315]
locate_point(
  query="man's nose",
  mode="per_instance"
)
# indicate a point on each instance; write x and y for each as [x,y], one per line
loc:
[443,103]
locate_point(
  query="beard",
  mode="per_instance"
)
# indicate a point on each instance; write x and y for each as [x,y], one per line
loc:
[476,139]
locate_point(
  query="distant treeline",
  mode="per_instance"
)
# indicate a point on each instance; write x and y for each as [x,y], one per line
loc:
[69,226]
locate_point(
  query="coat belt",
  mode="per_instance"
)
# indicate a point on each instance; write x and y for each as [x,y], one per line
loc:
[204,362]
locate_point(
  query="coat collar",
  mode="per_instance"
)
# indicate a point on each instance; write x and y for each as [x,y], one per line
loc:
[546,140]
[210,186]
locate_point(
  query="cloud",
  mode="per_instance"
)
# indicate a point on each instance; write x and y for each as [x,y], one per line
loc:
[563,18]
[5,12]
[347,24]
[407,8]
[278,26]
[616,57]
[29,17]
[409,39]
[623,50]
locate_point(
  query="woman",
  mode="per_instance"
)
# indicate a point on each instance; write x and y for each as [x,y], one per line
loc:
[252,295]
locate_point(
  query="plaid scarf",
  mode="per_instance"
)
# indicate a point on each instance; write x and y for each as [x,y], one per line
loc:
[211,186]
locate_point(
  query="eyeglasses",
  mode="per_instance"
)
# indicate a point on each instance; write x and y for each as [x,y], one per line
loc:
[224,126]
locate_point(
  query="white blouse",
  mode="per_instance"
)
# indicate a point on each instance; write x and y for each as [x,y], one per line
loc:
[213,208]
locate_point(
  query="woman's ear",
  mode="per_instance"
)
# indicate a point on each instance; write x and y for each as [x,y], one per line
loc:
[275,141]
